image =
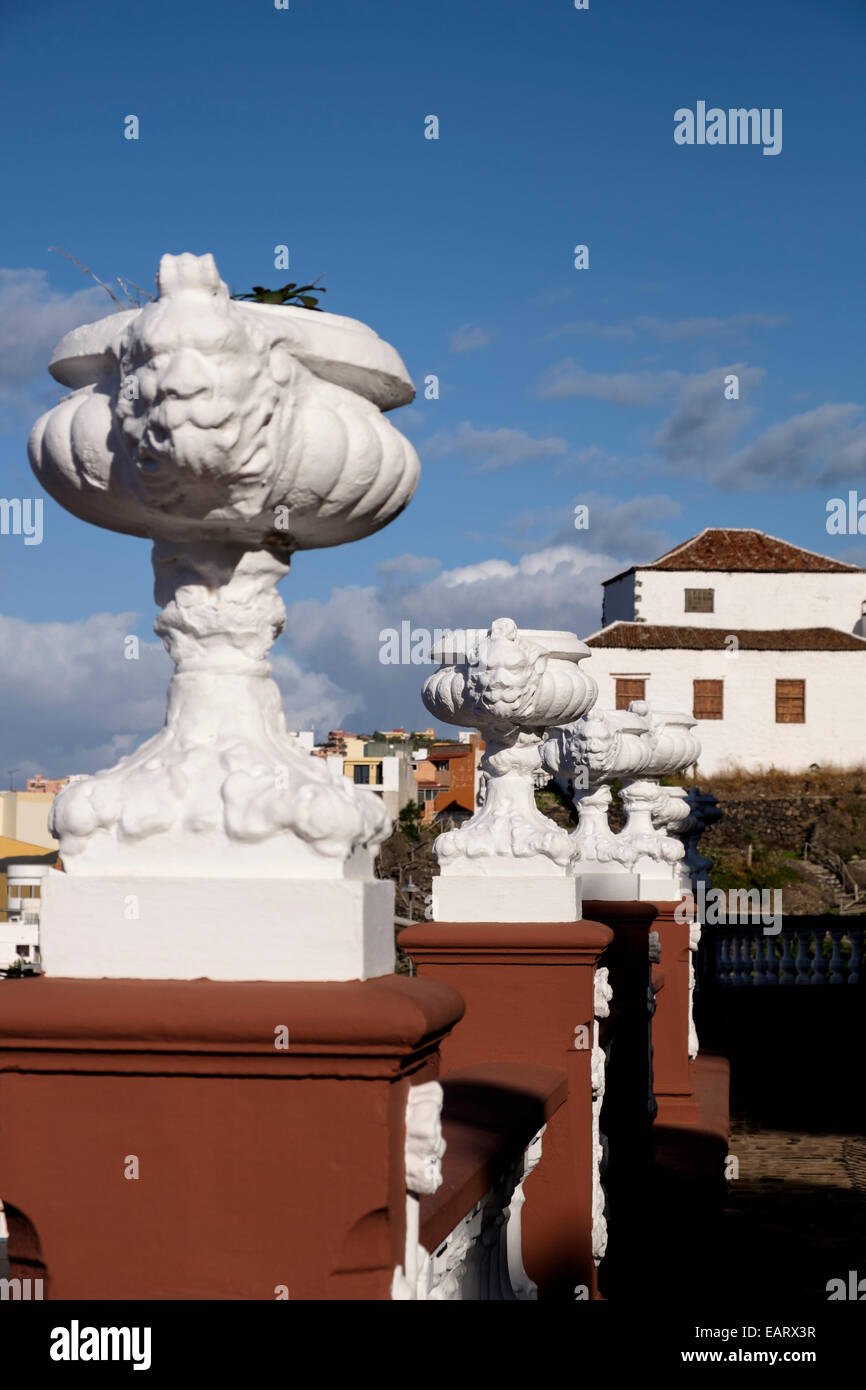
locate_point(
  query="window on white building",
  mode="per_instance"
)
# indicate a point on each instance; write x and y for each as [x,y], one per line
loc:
[790,702]
[699,600]
[708,700]
[629,688]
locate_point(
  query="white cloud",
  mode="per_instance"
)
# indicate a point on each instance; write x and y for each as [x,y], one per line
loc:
[493,449]
[669,330]
[553,587]
[625,529]
[569,378]
[33,318]
[704,422]
[72,702]
[470,337]
[826,445]
[405,565]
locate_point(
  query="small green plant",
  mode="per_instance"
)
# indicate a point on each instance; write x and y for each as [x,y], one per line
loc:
[135,297]
[410,820]
[292,293]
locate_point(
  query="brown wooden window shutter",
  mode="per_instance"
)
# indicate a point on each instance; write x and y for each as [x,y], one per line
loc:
[699,600]
[628,690]
[708,700]
[790,702]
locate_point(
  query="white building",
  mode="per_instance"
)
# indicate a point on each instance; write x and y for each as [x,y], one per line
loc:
[759,639]
[19,934]
[390,775]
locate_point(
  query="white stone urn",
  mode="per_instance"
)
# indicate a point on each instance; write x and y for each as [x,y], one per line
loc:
[603,747]
[653,810]
[232,435]
[509,862]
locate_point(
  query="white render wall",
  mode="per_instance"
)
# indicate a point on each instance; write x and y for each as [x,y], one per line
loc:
[748,735]
[742,599]
[398,785]
[24,816]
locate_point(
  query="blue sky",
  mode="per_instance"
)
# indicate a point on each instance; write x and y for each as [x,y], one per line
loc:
[557,386]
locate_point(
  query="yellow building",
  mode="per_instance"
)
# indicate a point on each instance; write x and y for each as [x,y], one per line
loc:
[24,816]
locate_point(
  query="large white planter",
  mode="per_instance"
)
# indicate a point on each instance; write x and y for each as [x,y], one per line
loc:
[509,862]
[231,434]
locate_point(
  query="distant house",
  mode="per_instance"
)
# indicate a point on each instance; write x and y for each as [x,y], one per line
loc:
[448,779]
[760,640]
[22,869]
[388,774]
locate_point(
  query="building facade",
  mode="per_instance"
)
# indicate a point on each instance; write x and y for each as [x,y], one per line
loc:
[24,816]
[448,778]
[760,640]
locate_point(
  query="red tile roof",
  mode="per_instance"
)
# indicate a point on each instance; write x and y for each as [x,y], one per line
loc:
[727,548]
[440,752]
[657,636]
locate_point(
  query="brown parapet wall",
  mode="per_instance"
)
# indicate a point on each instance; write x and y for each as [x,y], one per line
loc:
[216,1021]
[674,1079]
[257,1167]
[528,987]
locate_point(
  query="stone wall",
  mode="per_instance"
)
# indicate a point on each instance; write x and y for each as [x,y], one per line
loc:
[788,822]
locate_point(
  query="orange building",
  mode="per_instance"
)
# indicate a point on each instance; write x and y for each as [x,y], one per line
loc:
[448,778]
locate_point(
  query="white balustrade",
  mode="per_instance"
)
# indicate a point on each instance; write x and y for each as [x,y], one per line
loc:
[481,1259]
[602,995]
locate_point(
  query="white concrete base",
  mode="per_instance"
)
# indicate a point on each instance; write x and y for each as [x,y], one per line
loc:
[502,898]
[225,929]
[616,886]
[659,888]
